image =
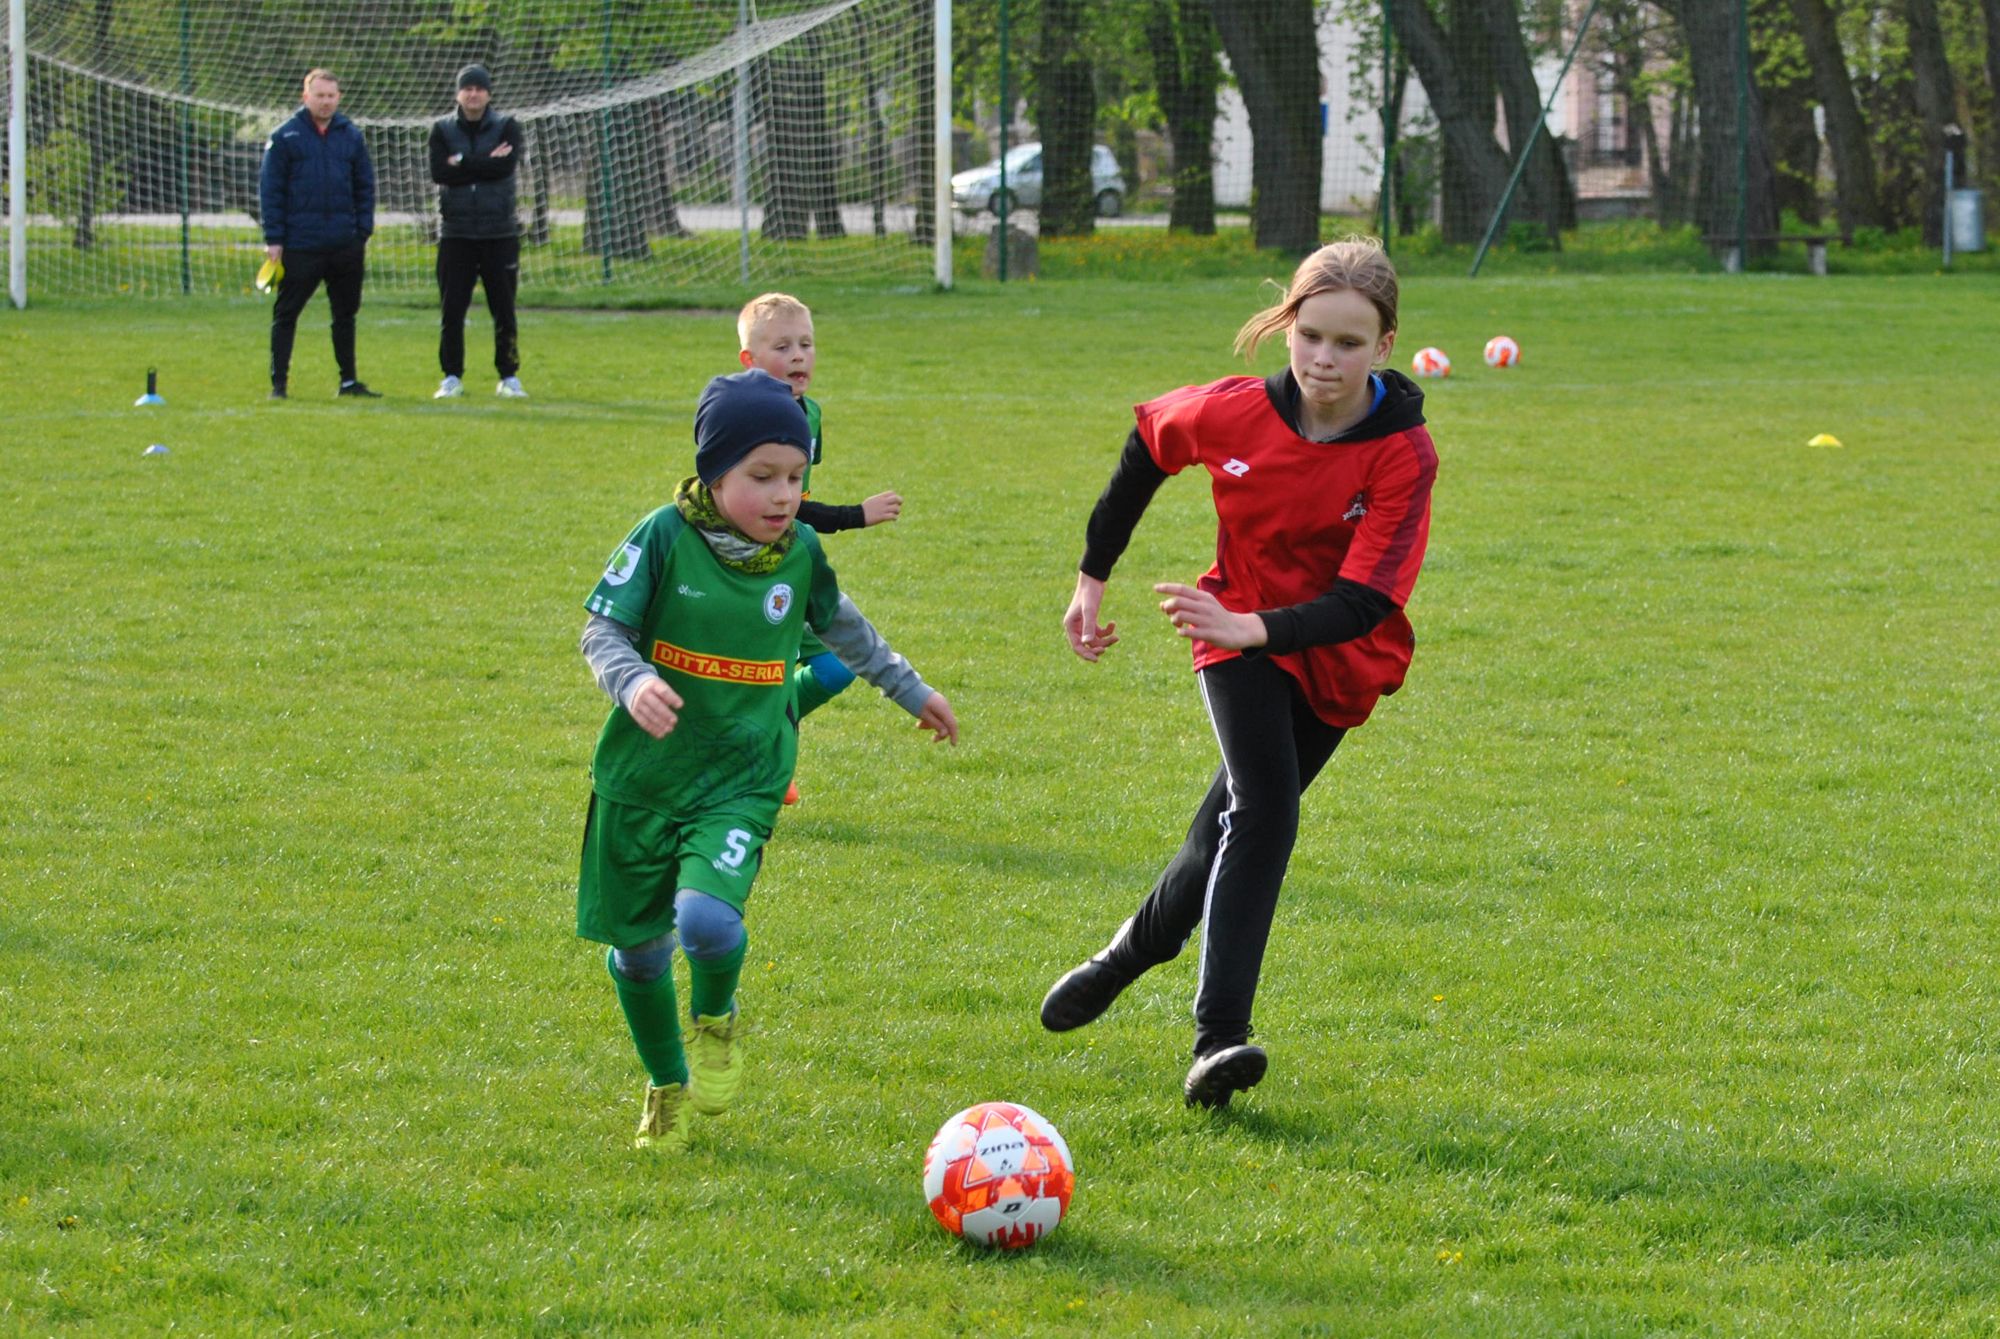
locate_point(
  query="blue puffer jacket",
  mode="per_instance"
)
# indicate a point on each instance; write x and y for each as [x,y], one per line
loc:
[317,191]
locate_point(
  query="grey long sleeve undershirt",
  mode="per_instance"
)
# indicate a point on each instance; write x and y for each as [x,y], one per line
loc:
[613,652]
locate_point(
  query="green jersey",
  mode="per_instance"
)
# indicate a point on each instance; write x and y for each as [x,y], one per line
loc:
[811,406]
[726,642]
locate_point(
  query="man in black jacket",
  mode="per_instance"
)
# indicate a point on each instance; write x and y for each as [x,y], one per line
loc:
[474,154]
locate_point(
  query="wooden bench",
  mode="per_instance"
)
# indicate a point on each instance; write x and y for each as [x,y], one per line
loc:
[1815,244]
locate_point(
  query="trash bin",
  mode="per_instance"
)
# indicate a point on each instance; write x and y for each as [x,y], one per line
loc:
[1966,217]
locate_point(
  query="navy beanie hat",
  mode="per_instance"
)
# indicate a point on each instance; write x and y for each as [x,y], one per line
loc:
[475,76]
[739,413]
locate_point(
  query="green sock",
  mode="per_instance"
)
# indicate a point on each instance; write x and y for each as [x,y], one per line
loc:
[712,982]
[656,1032]
[811,694]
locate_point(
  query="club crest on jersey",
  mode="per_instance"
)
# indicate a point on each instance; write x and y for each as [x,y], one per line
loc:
[623,564]
[1358,508]
[778,602]
[1235,467]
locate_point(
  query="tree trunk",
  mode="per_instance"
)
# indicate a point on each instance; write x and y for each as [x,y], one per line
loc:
[1452,66]
[1181,37]
[1989,161]
[538,154]
[1066,111]
[97,140]
[1856,196]
[1546,191]
[878,133]
[1788,119]
[801,174]
[1273,48]
[1714,48]
[923,37]
[1934,108]
[659,211]
[1683,163]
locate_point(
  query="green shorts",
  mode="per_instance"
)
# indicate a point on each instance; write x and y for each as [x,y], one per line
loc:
[635,860]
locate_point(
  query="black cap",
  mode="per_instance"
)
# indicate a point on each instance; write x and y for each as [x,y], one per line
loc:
[475,76]
[741,412]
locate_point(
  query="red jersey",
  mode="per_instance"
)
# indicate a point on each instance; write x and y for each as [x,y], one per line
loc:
[1293,515]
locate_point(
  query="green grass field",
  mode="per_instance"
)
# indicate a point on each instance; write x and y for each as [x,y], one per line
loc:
[1635,976]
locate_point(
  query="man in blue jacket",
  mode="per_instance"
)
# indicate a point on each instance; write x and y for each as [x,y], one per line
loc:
[318,198]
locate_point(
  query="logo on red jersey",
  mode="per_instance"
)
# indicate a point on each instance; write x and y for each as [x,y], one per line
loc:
[1235,467]
[1358,508]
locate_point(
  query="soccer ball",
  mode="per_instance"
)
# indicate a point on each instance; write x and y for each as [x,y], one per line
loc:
[999,1175]
[1431,362]
[1502,352]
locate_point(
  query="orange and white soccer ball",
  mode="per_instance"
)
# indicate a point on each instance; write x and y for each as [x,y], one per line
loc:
[999,1175]
[1430,362]
[1502,352]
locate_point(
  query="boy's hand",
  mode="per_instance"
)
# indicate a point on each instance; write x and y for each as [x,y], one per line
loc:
[938,719]
[882,507]
[654,707]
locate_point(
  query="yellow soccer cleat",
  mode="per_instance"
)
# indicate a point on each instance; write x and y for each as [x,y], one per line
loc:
[715,1061]
[664,1125]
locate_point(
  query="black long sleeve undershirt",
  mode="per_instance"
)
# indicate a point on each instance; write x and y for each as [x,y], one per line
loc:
[1348,610]
[826,517]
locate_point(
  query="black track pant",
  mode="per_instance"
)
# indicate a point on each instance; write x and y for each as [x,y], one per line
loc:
[341,270]
[1226,876]
[463,262]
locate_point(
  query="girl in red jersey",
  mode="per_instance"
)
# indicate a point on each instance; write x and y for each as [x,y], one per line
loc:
[1321,476]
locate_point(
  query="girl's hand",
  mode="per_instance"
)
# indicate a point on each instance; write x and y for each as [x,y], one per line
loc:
[882,507]
[938,719]
[654,707]
[1196,613]
[1086,637]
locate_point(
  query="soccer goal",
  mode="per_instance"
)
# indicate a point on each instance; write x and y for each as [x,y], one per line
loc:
[673,147]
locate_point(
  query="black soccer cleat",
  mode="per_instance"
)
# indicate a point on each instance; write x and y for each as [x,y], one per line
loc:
[278,391]
[1220,1075]
[359,388]
[1082,994]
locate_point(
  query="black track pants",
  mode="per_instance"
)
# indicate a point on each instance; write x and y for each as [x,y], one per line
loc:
[494,262]
[1227,874]
[341,269]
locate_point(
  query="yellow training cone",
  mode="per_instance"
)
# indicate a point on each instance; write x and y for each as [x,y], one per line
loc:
[1824,439]
[268,275]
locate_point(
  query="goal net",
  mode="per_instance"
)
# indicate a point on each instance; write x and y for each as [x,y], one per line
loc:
[673,146]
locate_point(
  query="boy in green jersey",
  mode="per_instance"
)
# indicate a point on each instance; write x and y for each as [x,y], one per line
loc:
[775,331]
[694,630]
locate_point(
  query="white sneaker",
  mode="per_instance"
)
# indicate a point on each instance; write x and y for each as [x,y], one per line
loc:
[510,389]
[447,388]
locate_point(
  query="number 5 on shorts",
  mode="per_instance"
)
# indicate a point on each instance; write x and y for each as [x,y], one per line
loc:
[735,847]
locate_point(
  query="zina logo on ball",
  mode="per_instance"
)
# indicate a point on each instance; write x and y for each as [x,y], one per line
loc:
[999,1175]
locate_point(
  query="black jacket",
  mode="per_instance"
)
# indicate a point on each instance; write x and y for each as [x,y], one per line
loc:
[478,196]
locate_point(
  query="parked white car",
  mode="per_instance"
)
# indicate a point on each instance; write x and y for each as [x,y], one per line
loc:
[978,188]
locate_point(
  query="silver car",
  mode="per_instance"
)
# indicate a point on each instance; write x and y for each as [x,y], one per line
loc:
[978,188]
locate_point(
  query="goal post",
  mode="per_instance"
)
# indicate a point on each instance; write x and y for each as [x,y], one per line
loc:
[675,149]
